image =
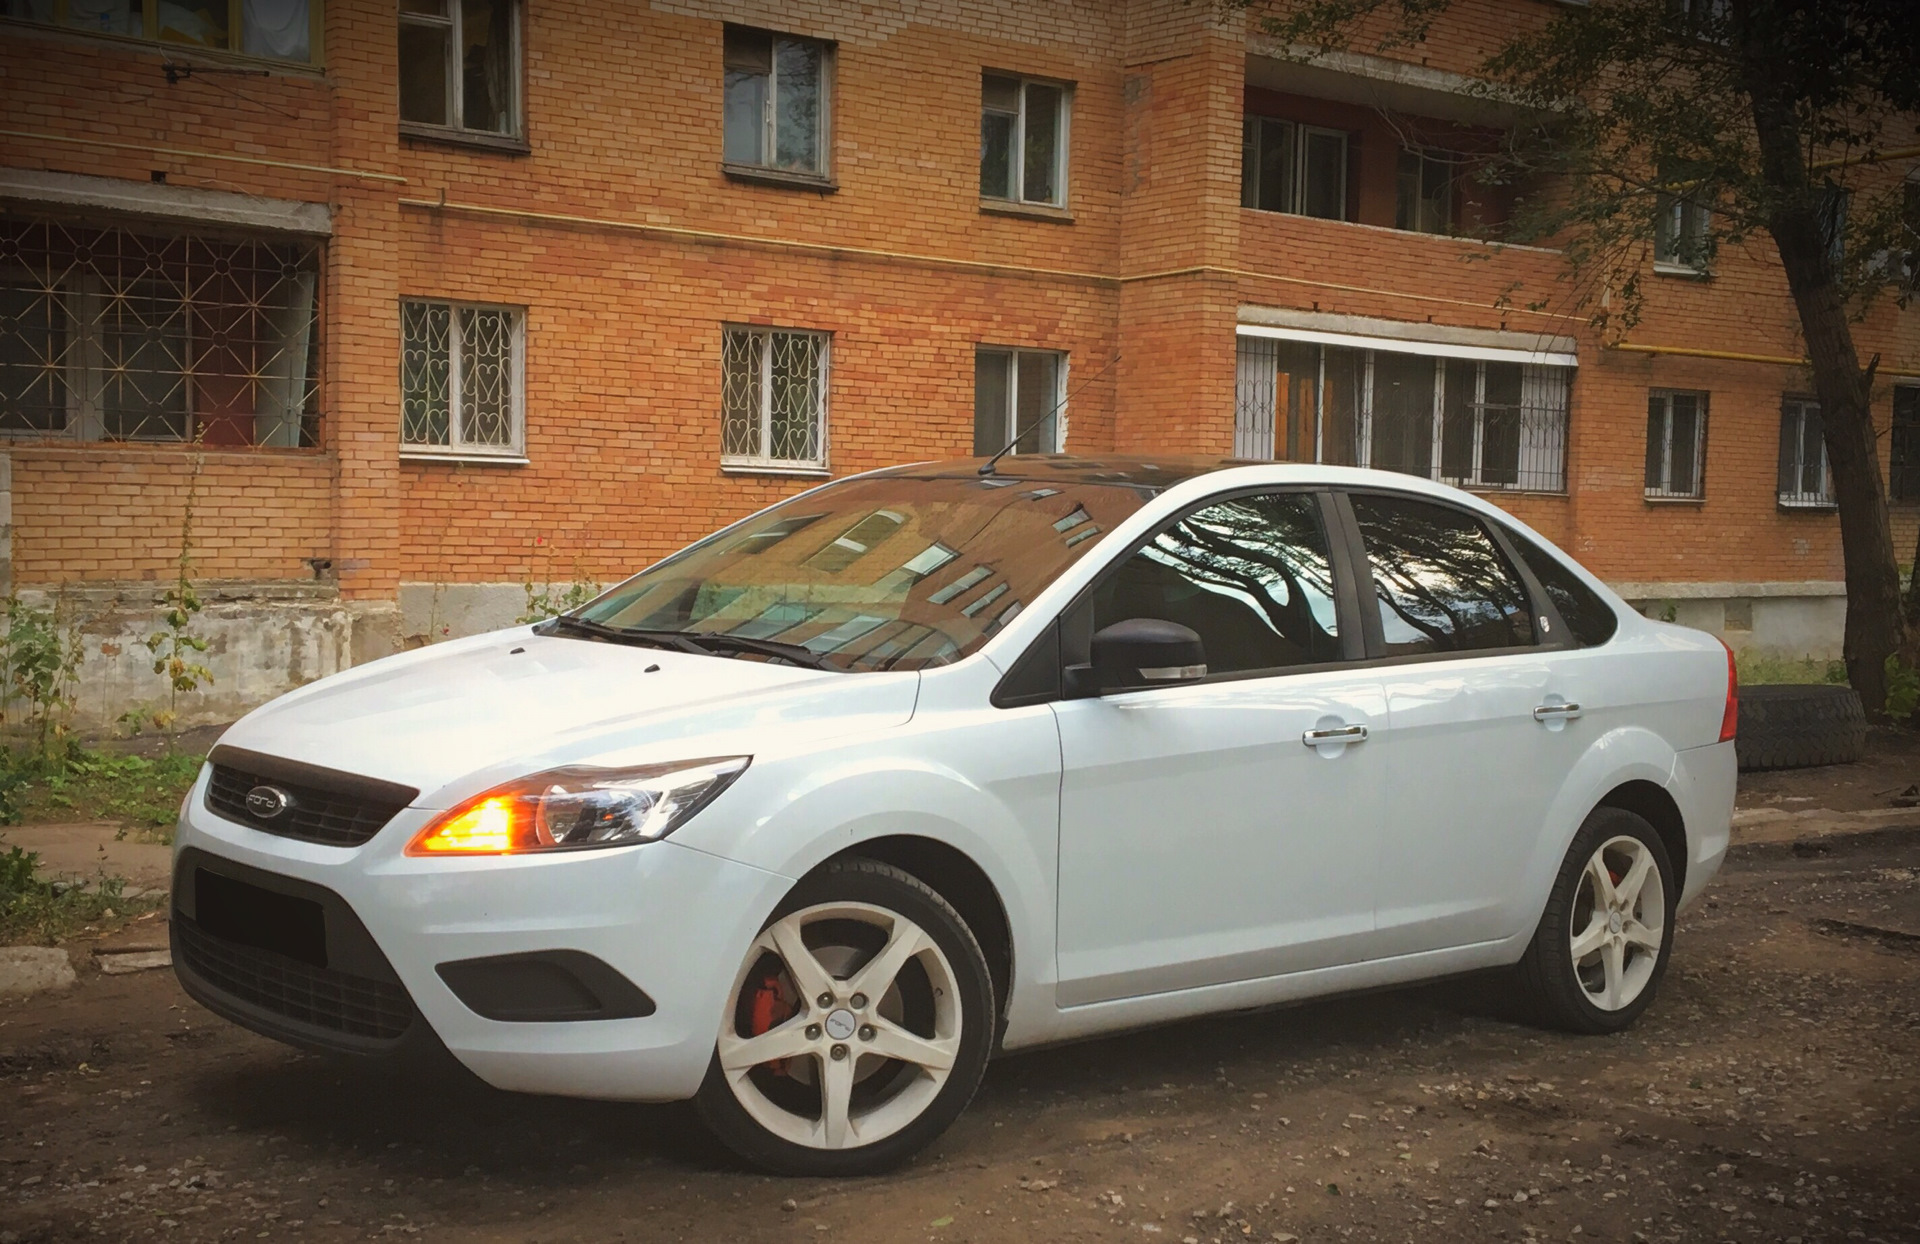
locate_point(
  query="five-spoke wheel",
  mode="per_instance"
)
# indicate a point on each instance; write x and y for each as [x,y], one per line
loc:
[857,1026]
[1602,943]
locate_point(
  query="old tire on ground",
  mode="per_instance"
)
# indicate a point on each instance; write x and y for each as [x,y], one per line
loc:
[1794,727]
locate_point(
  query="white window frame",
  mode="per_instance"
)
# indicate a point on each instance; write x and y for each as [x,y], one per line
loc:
[1796,408]
[1058,405]
[761,463]
[1297,193]
[1696,488]
[456,76]
[457,447]
[770,112]
[1018,190]
[1679,220]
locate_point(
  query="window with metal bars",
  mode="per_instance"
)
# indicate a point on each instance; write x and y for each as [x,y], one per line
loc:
[461,367]
[773,399]
[276,29]
[1676,445]
[460,66]
[116,334]
[1804,478]
[1481,424]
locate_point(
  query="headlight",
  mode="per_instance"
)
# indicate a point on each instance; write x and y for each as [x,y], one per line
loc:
[567,809]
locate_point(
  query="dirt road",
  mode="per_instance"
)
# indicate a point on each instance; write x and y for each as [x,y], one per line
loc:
[1773,1093]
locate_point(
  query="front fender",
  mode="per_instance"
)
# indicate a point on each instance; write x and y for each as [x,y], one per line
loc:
[993,795]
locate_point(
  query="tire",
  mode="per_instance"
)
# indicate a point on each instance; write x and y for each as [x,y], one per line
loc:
[769,1102]
[1795,727]
[1581,995]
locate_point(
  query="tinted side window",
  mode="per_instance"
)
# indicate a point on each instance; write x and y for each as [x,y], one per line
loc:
[1590,618]
[1441,582]
[1251,576]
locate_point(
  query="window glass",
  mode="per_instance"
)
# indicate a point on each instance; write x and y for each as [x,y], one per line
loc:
[992,387]
[277,28]
[943,561]
[1402,412]
[486,65]
[1324,193]
[774,105]
[32,335]
[459,377]
[999,119]
[1251,576]
[749,71]
[1589,617]
[773,396]
[423,72]
[797,96]
[114,17]
[1441,583]
[1803,454]
[1043,144]
[182,21]
[1022,139]
[1676,425]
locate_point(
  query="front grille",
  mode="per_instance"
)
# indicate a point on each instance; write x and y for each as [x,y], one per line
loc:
[339,811]
[338,1001]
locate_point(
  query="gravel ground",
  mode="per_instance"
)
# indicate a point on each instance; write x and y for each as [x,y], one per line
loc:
[1772,1093]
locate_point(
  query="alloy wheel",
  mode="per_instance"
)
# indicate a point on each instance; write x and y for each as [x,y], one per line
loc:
[845,1024]
[1618,923]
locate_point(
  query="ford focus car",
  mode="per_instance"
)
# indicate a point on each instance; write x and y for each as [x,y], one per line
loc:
[809,819]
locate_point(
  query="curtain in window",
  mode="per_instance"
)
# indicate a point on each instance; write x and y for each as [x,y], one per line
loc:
[277,28]
[486,29]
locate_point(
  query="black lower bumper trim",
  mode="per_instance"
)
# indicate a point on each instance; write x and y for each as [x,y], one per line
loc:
[545,986]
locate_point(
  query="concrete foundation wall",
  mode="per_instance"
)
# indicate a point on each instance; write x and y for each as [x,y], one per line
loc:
[1794,620]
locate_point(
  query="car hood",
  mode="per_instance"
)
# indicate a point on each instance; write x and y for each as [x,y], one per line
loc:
[455,717]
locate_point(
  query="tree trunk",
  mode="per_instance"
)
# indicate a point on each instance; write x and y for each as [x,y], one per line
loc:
[1876,626]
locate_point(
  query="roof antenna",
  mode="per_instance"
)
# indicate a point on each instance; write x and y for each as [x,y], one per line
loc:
[986,468]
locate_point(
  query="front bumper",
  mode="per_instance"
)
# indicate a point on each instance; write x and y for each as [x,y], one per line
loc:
[672,920]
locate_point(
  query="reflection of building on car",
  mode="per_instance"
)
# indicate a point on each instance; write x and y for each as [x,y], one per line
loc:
[806,820]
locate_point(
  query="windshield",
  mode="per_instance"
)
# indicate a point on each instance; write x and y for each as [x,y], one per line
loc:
[887,572]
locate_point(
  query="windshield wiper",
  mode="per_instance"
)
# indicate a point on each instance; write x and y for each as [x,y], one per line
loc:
[618,634]
[701,643]
[794,654]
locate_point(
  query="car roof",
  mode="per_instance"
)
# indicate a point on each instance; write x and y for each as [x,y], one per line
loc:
[1152,474]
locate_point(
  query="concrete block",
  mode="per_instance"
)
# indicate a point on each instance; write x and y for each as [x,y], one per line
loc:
[27,970]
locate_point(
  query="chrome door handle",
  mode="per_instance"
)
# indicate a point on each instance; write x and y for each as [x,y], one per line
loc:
[1342,734]
[1564,712]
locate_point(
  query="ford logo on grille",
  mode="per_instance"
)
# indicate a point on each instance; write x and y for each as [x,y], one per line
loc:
[267,802]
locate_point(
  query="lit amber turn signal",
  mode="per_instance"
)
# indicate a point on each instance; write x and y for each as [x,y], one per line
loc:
[485,827]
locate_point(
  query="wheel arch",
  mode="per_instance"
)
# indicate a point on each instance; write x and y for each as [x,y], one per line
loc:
[952,874]
[1653,804]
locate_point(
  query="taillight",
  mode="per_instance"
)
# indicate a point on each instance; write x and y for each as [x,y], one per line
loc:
[1730,719]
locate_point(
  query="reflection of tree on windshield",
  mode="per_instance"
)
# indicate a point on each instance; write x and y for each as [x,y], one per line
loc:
[1441,583]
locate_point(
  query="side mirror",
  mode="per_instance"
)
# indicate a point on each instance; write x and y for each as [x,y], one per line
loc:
[1136,653]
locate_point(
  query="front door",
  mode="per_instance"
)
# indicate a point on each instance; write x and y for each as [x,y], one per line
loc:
[1479,750]
[1223,830]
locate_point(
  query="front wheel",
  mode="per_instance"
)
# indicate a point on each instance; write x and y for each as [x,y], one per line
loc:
[1602,945]
[857,1029]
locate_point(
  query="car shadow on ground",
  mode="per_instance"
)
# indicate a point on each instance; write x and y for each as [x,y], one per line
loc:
[432,1119]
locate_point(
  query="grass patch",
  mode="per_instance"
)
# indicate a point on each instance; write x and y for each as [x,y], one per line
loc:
[145,792]
[1759,669]
[39,912]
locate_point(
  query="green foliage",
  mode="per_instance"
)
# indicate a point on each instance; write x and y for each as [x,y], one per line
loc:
[1903,689]
[1760,669]
[42,659]
[543,602]
[144,792]
[36,910]
[175,647]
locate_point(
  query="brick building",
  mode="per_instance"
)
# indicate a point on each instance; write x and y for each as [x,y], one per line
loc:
[416,309]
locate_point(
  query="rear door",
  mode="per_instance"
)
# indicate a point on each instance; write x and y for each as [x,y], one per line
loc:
[1482,734]
[1223,830]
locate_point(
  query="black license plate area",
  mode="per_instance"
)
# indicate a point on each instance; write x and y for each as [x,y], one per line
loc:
[238,912]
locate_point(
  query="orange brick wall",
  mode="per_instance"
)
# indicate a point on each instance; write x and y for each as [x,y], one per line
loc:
[623,328]
[84,515]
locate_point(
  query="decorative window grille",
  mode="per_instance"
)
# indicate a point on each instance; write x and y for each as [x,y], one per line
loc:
[773,399]
[1023,140]
[278,29]
[461,366]
[775,114]
[1017,391]
[1478,424]
[460,65]
[1676,444]
[1804,478]
[113,334]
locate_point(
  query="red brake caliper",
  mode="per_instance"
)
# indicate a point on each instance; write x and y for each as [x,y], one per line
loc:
[770,1009]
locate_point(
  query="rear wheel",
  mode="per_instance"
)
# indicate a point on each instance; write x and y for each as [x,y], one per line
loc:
[857,1029]
[1602,944]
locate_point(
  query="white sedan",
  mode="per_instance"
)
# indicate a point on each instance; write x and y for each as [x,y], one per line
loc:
[807,820]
